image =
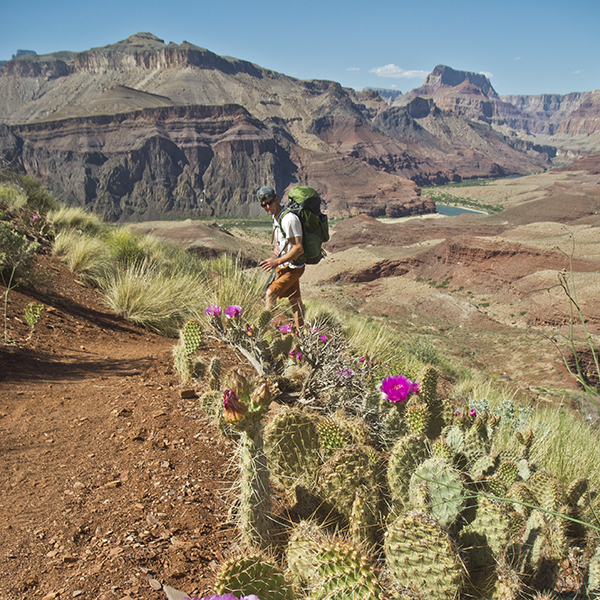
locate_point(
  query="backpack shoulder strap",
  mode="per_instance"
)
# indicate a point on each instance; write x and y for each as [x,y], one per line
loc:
[279,218]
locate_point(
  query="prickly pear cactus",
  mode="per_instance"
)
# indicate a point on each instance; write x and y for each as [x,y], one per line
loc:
[365,516]
[441,450]
[483,467]
[214,372]
[444,494]
[419,553]
[406,455]
[508,472]
[264,319]
[181,363]
[211,403]
[253,574]
[332,436]
[547,491]
[345,573]
[417,418]
[523,497]
[593,582]
[305,540]
[491,535]
[430,397]
[341,476]
[191,336]
[254,494]
[292,446]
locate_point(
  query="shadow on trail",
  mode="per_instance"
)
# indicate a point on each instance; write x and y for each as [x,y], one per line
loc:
[104,320]
[22,365]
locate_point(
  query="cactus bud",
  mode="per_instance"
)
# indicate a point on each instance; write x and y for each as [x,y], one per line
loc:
[237,381]
[233,409]
[262,394]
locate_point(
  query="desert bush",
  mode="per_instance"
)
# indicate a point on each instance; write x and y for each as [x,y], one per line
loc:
[66,218]
[38,197]
[151,298]
[12,197]
[16,253]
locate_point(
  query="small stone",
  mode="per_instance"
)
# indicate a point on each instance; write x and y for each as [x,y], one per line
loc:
[155,584]
[77,593]
[188,394]
[69,559]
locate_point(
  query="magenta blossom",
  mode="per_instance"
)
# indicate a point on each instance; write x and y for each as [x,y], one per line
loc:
[228,596]
[396,388]
[292,353]
[233,312]
[416,388]
[213,310]
[286,329]
[316,330]
[299,355]
[362,359]
[473,412]
[323,338]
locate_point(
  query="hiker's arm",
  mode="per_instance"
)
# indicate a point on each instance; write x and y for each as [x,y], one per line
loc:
[296,249]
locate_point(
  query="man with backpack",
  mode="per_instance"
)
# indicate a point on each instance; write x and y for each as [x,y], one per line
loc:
[288,236]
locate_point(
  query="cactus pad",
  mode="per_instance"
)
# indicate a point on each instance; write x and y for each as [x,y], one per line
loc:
[253,574]
[420,554]
[445,496]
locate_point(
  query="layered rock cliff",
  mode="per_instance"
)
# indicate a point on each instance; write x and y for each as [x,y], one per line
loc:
[140,128]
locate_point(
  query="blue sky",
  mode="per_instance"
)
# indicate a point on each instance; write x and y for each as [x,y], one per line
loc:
[524,46]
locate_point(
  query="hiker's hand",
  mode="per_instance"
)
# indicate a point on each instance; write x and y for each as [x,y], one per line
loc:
[268,264]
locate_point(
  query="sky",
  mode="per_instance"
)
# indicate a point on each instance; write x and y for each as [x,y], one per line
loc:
[523,46]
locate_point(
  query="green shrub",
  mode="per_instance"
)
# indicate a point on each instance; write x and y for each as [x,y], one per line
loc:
[38,197]
[16,253]
[12,197]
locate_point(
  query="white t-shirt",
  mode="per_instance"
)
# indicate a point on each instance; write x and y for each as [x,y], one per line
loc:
[290,223]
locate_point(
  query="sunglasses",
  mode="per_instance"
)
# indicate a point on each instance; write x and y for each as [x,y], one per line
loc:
[264,203]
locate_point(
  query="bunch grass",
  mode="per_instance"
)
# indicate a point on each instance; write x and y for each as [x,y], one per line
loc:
[161,302]
[86,255]
[68,218]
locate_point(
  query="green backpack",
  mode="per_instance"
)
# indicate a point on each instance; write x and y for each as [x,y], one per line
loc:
[305,202]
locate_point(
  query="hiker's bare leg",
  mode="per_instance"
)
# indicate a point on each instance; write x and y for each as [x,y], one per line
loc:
[298,310]
[270,300]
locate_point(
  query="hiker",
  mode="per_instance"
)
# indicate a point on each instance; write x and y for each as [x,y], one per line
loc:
[288,246]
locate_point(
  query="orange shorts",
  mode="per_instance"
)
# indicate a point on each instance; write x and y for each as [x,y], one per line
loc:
[287,282]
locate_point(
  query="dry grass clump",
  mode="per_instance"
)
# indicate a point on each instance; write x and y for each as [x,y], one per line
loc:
[66,218]
[87,256]
[159,301]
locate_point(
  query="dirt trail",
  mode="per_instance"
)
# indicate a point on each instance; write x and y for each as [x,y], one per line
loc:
[111,482]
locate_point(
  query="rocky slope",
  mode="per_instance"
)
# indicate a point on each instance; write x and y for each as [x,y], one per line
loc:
[472,95]
[125,129]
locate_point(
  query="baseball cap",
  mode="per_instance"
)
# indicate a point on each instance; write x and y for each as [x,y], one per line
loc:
[265,192]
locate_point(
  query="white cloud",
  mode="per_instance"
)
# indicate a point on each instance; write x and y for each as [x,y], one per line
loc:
[352,69]
[488,75]
[392,70]
[577,72]
[517,58]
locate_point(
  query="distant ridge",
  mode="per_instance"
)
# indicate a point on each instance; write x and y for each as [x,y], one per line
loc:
[139,129]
